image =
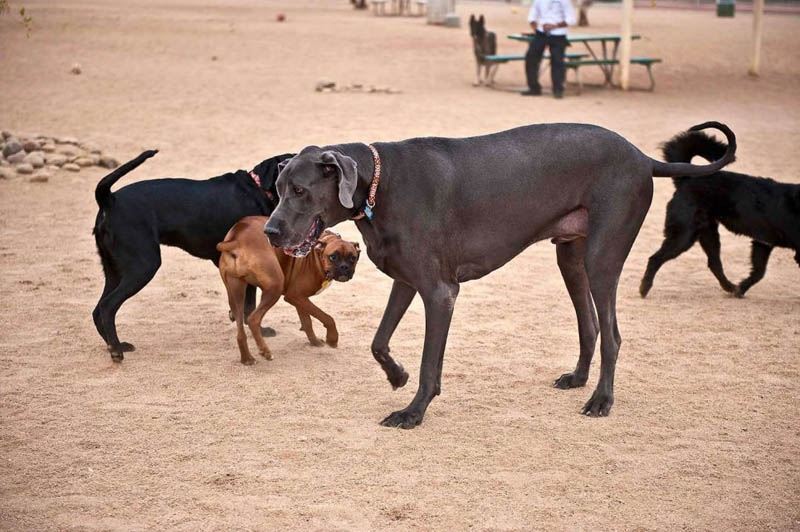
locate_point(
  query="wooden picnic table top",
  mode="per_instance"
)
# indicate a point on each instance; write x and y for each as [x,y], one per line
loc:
[586,37]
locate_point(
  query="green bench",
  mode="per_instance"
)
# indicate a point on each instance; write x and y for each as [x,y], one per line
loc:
[499,59]
[647,62]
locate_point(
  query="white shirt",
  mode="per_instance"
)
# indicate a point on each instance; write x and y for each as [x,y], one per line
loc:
[552,12]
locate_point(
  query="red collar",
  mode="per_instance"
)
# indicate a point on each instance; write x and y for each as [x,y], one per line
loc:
[368,209]
[257,180]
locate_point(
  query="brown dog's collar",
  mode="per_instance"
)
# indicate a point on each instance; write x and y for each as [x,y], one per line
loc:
[267,193]
[367,210]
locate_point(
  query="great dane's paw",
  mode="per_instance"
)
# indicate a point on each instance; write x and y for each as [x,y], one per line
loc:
[316,342]
[398,377]
[570,380]
[599,405]
[126,347]
[268,332]
[403,419]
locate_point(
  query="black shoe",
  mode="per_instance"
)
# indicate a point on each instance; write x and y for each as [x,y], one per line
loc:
[558,95]
[532,92]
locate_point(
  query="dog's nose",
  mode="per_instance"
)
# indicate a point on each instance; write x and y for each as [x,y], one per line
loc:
[273,233]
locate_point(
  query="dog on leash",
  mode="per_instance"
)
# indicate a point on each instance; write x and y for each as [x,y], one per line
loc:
[765,210]
[247,258]
[483,43]
[192,215]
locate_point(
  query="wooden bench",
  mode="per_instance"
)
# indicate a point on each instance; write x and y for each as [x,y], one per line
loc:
[647,62]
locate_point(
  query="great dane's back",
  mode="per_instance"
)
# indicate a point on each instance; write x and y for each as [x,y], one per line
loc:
[451,210]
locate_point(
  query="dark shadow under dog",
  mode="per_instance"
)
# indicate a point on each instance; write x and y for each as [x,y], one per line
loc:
[193,215]
[763,209]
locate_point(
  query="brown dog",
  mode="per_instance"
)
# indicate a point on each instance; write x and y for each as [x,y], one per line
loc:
[248,258]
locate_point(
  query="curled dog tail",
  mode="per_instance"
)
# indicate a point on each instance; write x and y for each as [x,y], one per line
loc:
[103,191]
[682,147]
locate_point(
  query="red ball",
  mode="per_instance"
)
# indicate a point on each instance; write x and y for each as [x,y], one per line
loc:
[280,17]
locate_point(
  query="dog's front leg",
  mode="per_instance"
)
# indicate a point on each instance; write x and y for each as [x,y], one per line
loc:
[303,304]
[439,303]
[399,300]
[308,328]
[478,82]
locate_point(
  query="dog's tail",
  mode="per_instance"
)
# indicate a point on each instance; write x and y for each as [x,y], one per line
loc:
[103,191]
[228,245]
[684,168]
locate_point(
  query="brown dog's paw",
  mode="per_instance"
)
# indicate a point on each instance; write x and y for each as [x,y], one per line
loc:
[267,355]
[316,342]
[248,361]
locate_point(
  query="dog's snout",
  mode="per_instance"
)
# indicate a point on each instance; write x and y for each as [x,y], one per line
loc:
[273,232]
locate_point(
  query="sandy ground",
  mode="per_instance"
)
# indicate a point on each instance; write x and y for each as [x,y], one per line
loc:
[705,433]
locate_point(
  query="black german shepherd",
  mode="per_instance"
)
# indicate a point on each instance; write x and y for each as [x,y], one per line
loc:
[766,211]
[192,215]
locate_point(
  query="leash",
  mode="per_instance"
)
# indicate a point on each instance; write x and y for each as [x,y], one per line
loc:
[267,193]
[367,210]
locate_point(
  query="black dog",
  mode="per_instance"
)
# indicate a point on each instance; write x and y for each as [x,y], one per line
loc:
[763,209]
[192,215]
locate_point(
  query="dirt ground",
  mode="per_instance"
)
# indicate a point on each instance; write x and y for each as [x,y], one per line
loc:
[705,432]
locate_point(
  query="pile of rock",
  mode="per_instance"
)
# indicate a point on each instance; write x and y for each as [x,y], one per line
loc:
[331,86]
[40,157]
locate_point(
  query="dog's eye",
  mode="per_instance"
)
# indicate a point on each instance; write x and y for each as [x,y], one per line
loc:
[298,191]
[333,257]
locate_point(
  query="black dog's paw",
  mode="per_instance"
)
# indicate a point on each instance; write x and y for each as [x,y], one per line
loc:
[739,292]
[398,377]
[403,419]
[570,380]
[126,347]
[117,357]
[599,405]
[268,332]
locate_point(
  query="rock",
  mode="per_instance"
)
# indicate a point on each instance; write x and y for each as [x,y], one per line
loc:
[83,162]
[17,157]
[30,145]
[48,148]
[6,173]
[68,150]
[56,159]
[24,168]
[40,178]
[325,84]
[76,69]
[66,140]
[12,146]
[34,159]
[108,162]
[95,159]
[7,135]
[72,167]
[90,147]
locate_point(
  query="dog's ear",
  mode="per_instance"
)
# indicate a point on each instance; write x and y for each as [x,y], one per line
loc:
[347,173]
[282,165]
[482,21]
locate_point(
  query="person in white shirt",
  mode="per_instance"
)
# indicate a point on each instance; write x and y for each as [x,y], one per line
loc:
[549,19]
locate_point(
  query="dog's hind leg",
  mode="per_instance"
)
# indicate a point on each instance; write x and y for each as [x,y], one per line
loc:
[679,235]
[133,279]
[249,305]
[709,241]
[759,256]
[613,228]
[570,261]
[236,288]
[399,300]
[269,296]
[112,281]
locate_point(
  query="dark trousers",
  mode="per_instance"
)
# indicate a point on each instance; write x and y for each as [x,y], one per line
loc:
[557,44]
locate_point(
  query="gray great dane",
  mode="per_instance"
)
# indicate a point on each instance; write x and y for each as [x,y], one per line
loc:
[452,210]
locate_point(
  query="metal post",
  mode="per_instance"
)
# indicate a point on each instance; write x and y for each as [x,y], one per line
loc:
[625,44]
[758,27]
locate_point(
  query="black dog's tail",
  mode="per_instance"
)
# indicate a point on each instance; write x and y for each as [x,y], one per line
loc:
[103,191]
[684,168]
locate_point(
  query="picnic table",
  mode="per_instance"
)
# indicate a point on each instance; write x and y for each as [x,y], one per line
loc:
[398,7]
[607,62]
